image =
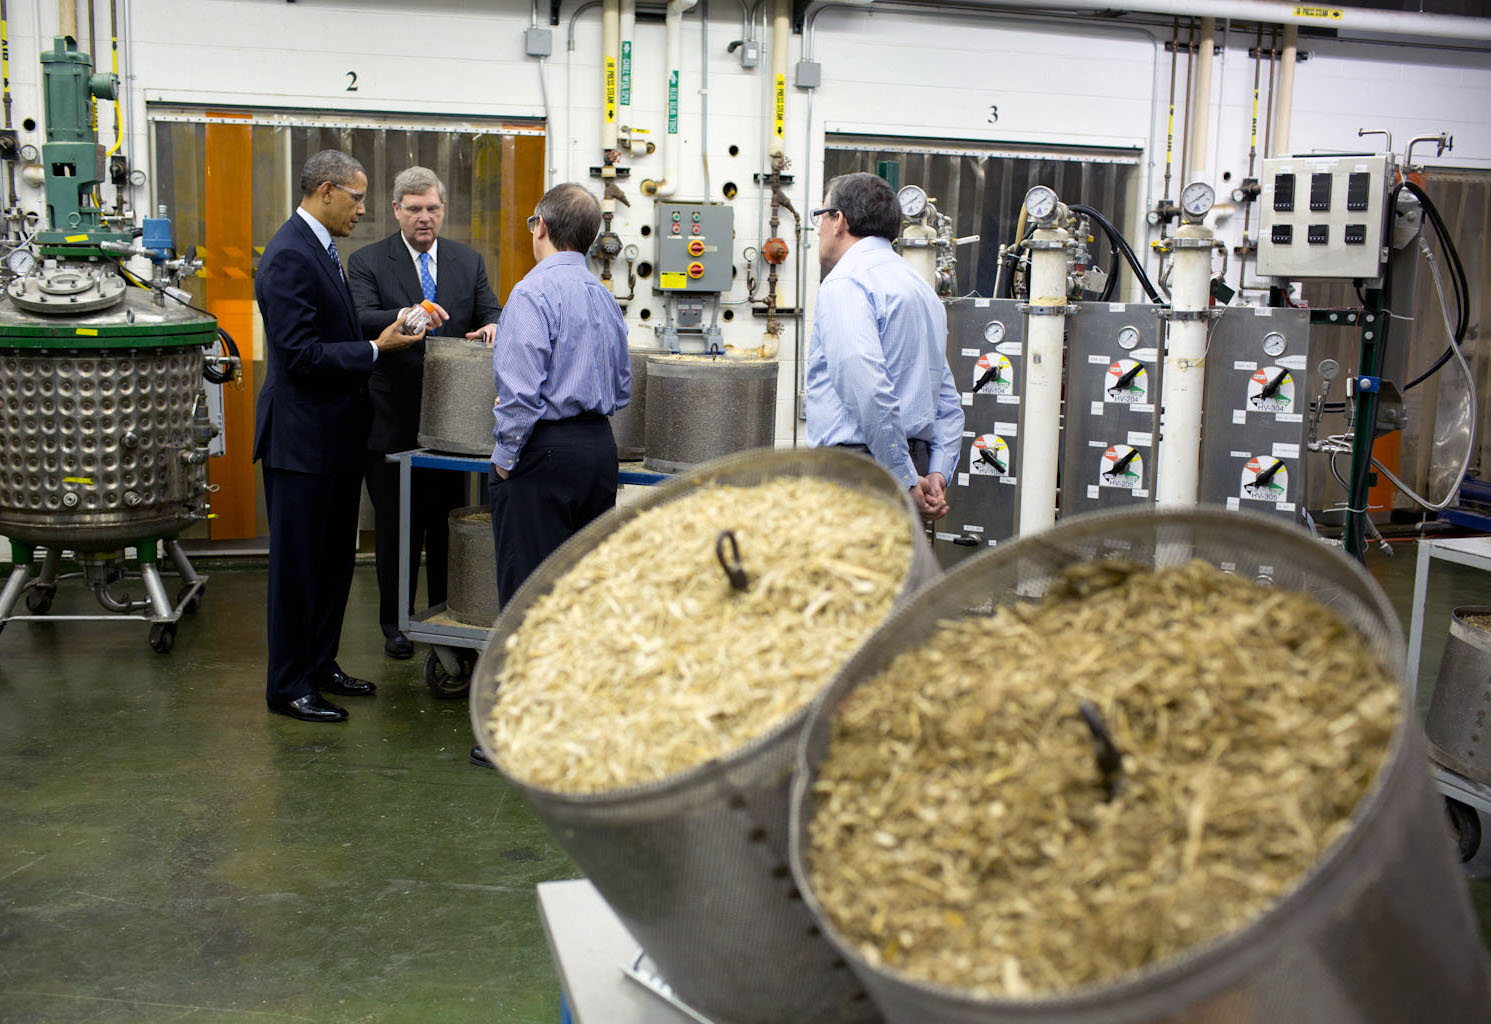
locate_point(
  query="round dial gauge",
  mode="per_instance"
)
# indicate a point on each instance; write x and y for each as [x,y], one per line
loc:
[29,153]
[1274,344]
[1197,198]
[994,332]
[1128,338]
[913,201]
[21,262]
[1040,202]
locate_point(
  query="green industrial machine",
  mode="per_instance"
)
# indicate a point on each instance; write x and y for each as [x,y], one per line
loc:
[104,424]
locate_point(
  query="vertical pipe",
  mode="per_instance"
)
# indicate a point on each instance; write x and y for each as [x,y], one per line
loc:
[1040,424]
[628,31]
[1178,462]
[704,96]
[67,19]
[1285,107]
[672,66]
[781,26]
[1170,129]
[1200,111]
[114,56]
[610,44]
[1185,141]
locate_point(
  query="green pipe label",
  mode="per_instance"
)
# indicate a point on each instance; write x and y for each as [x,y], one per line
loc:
[673,102]
[626,73]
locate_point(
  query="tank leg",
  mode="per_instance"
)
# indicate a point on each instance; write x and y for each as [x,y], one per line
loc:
[161,609]
[179,560]
[189,596]
[44,589]
[12,591]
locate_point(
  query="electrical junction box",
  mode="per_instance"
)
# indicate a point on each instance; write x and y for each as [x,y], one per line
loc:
[694,245]
[538,42]
[1324,216]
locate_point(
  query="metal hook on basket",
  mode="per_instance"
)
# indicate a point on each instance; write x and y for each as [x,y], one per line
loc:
[1109,757]
[732,567]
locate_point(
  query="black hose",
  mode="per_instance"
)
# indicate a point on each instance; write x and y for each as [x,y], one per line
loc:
[1116,236]
[1457,280]
[213,376]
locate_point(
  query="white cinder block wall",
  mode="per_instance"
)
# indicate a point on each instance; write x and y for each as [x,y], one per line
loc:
[886,72]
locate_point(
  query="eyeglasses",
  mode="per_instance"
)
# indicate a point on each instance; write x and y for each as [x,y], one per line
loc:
[813,217]
[533,221]
[357,196]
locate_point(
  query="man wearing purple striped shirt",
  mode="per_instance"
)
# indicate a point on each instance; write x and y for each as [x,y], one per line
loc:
[561,368]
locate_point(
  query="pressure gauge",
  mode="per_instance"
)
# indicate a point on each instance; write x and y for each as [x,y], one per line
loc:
[994,332]
[1274,344]
[1040,202]
[1196,199]
[1128,338]
[913,201]
[29,154]
[21,262]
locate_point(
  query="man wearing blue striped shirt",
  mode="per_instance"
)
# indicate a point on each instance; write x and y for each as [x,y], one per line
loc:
[561,368]
[877,376]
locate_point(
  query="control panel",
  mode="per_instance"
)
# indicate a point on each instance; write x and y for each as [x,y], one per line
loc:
[694,245]
[1112,403]
[985,351]
[1254,436]
[1324,216]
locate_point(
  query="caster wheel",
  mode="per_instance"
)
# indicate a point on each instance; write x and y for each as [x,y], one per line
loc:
[1466,827]
[38,601]
[191,606]
[163,637]
[444,685]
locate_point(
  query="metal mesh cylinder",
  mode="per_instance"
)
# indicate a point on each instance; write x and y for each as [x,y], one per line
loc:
[456,403]
[700,409]
[630,423]
[471,570]
[695,865]
[94,445]
[1458,726]
[1380,929]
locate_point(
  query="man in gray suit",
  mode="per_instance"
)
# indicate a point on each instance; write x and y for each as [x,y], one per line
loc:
[387,277]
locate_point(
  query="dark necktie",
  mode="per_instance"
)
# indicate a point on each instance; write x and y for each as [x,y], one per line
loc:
[331,247]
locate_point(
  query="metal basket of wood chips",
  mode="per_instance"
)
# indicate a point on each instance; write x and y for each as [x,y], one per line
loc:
[1142,767]
[644,690]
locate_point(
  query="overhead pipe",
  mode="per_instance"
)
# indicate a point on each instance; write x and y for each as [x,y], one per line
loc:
[1284,108]
[672,68]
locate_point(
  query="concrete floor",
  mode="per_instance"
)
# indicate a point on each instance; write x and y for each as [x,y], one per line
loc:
[171,852]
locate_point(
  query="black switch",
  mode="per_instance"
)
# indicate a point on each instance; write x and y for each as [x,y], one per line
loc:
[1283,234]
[1356,234]
[1320,192]
[1283,192]
[1356,190]
[1318,234]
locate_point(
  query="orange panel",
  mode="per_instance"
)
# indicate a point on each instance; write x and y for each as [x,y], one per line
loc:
[228,259]
[1388,450]
[522,188]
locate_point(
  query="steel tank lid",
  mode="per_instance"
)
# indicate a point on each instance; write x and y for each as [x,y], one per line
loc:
[135,322]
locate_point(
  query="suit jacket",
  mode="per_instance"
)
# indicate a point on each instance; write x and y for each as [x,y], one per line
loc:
[313,412]
[383,282]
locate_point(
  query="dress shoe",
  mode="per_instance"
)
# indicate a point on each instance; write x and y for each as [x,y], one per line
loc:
[310,708]
[480,759]
[397,645]
[341,683]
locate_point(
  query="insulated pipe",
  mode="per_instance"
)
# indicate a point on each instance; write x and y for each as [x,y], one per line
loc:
[1285,107]
[1040,419]
[1200,112]
[610,46]
[781,29]
[1178,462]
[672,67]
[67,18]
[628,29]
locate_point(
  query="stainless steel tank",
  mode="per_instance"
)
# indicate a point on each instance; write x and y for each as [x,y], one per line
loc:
[471,570]
[1459,722]
[699,408]
[102,420]
[629,425]
[456,403]
[695,865]
[1381,929]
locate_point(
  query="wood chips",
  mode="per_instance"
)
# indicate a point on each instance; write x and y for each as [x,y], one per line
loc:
[1481,622]
[642,662]
[961,832]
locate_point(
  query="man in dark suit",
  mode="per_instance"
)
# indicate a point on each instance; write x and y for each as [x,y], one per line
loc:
[412,264]
[310,432]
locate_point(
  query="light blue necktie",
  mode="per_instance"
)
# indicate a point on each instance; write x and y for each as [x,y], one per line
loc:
[331,247]
[426,282]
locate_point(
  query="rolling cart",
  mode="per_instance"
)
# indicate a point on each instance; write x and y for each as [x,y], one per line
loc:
[454,645]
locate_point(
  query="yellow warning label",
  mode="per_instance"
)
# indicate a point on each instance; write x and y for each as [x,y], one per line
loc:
[76,238]
[1326,13]
[610,90]
[674,280]
[86,331]
[781,105]
[85,481]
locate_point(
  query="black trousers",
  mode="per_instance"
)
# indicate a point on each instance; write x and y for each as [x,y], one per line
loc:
[920,451]
[564,478]
[432,494]
[312,545]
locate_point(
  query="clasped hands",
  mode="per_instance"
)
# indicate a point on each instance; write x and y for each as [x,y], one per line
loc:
[930,494]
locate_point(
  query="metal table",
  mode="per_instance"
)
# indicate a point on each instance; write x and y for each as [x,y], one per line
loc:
[453,644]
[1476,553]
